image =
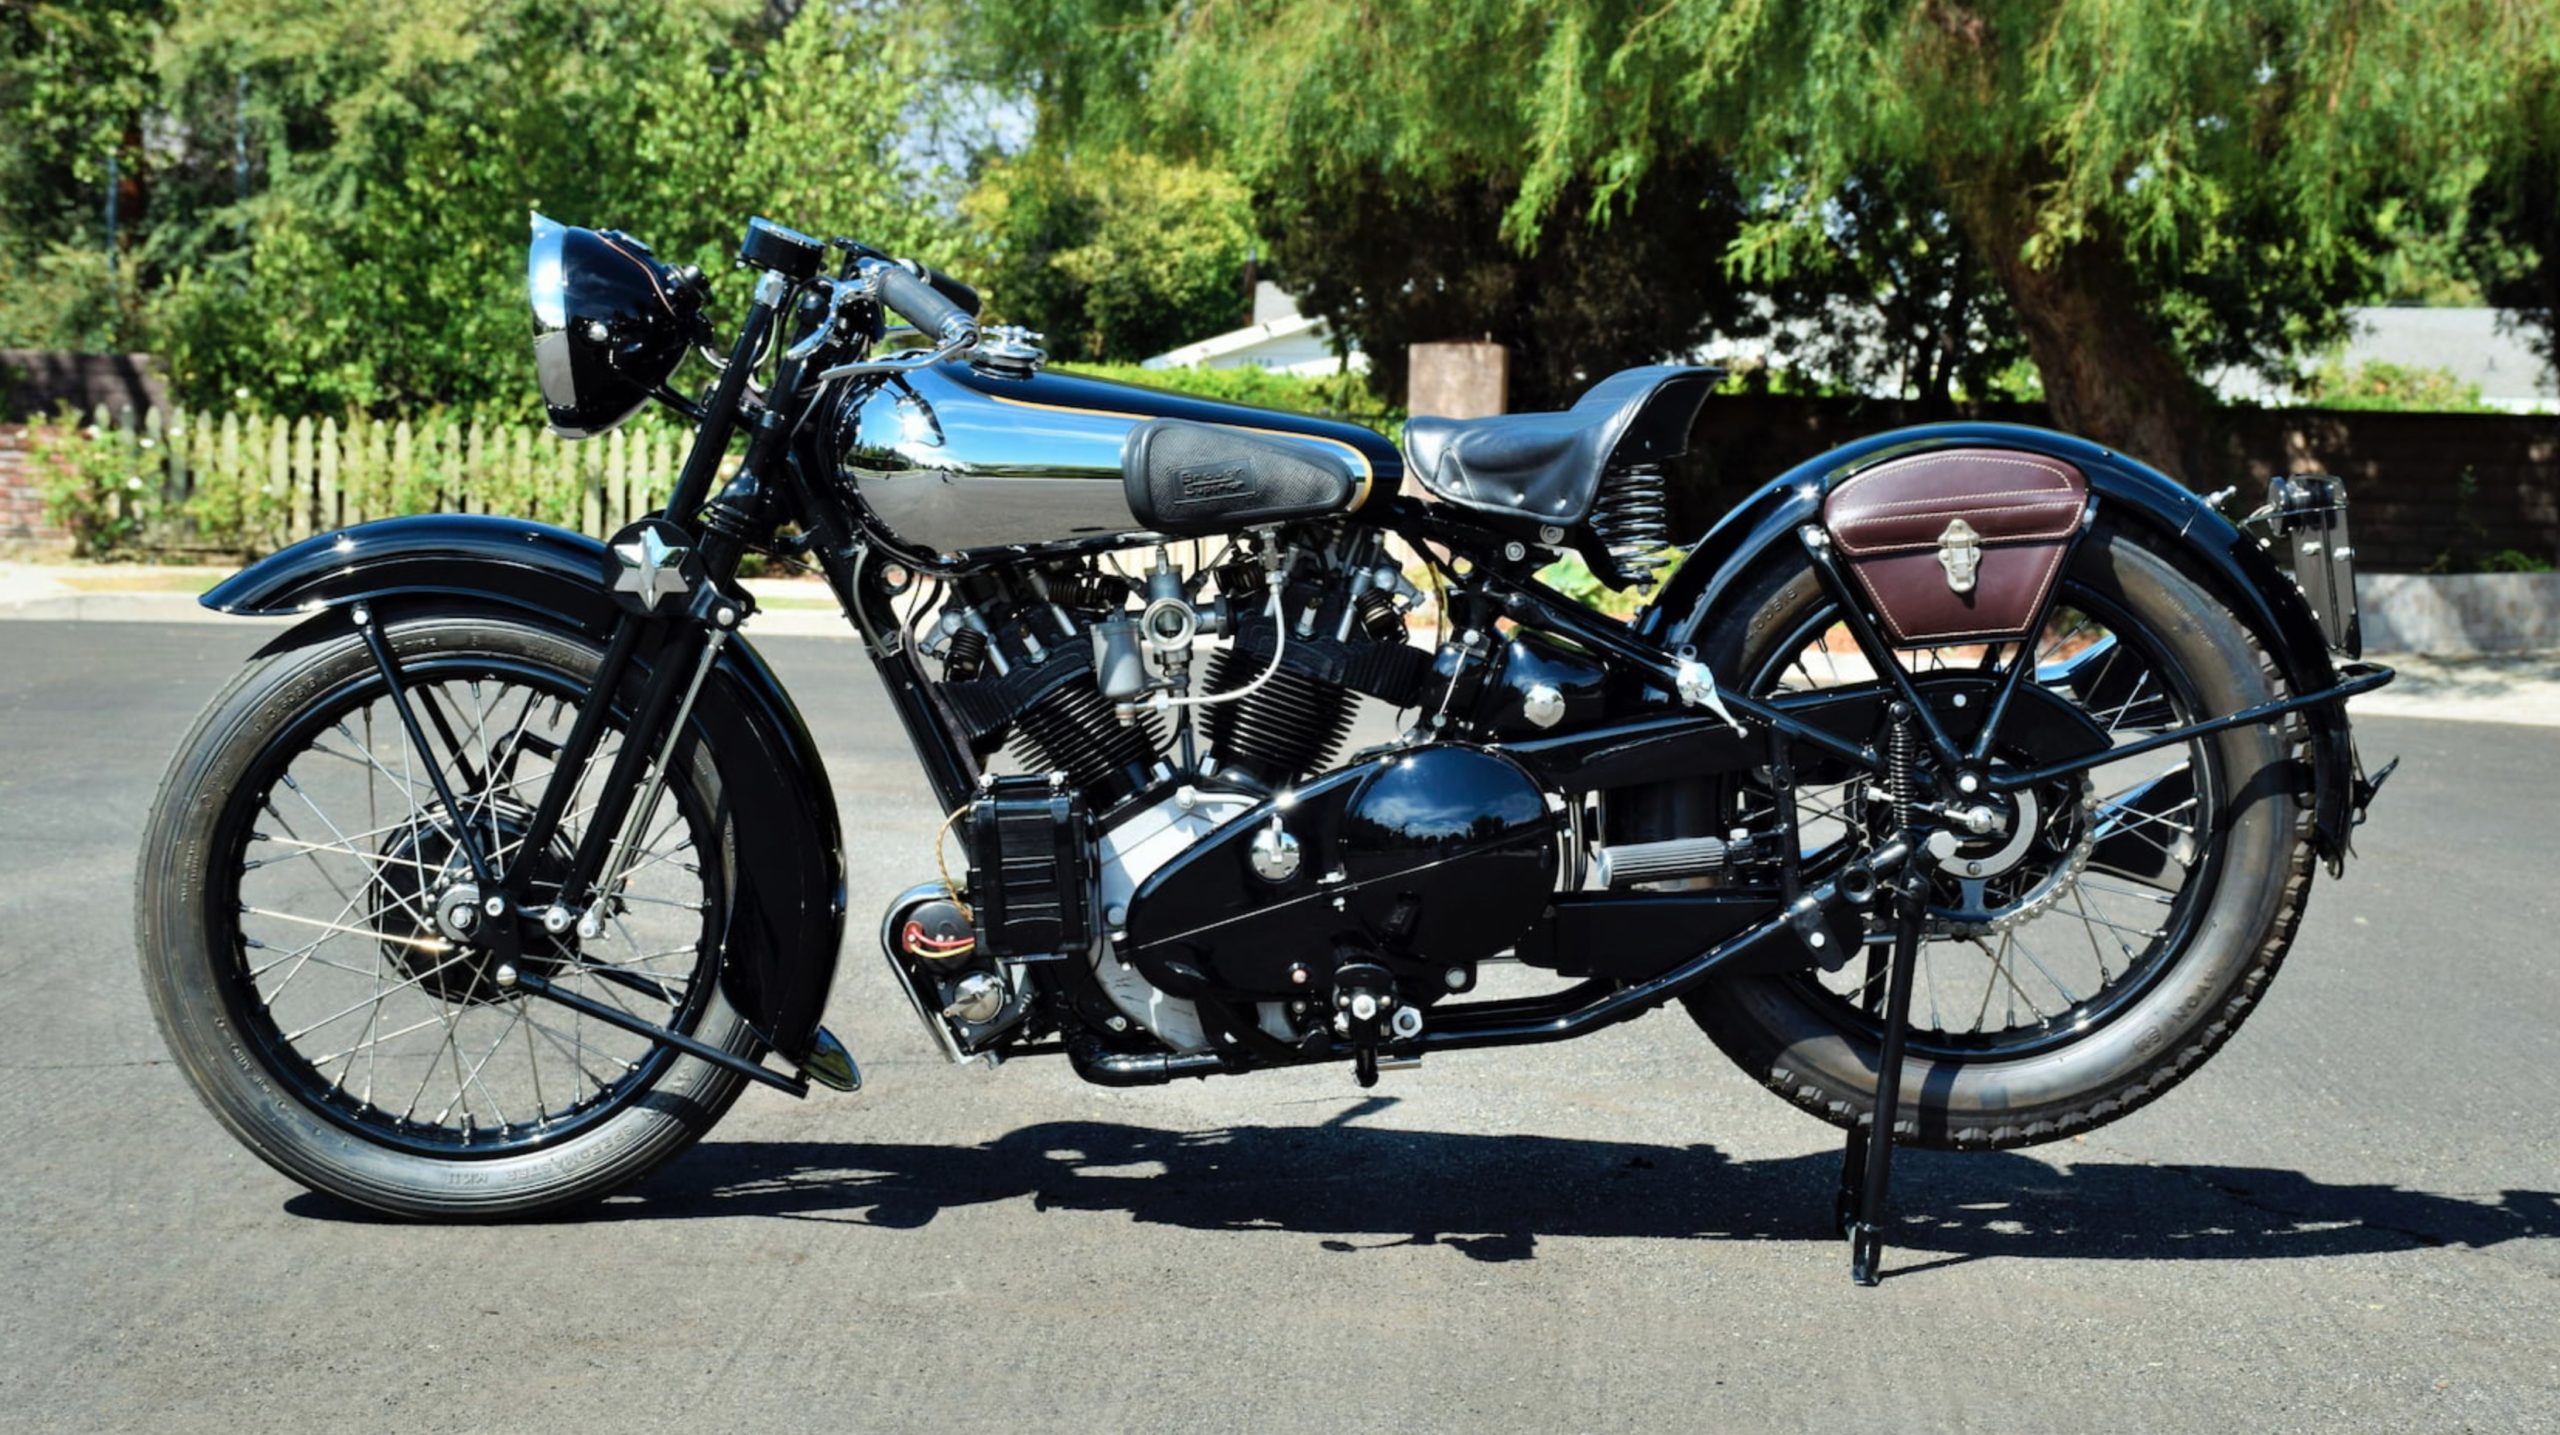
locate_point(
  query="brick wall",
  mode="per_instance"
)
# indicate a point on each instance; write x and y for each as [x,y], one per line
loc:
[2423,485]
[21,510]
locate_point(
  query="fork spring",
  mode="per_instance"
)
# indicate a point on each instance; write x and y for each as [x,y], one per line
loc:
[1899,782]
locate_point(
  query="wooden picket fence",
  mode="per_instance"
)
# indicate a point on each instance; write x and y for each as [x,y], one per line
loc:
[248,483]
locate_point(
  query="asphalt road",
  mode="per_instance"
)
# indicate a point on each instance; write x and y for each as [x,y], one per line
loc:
[2350,1220]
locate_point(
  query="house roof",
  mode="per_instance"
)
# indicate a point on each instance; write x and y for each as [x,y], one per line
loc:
[1280,339]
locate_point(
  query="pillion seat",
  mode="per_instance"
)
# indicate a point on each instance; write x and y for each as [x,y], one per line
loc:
[1546,467]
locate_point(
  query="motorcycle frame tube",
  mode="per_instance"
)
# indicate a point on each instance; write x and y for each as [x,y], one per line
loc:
[786,919]
[845,546]
[1576,1011]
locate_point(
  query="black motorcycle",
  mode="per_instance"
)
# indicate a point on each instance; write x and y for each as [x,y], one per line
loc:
[1975,755]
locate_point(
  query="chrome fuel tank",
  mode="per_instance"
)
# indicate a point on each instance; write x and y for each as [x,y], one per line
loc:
[951,460]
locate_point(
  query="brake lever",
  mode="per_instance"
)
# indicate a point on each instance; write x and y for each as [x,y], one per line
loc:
[950,348]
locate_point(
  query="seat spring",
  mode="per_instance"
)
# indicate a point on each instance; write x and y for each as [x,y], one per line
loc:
[1632,518]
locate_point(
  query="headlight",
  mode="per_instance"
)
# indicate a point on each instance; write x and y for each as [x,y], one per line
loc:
[542,277]
[610,324]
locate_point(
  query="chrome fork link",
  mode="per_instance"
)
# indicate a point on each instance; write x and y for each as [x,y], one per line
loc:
[635,826]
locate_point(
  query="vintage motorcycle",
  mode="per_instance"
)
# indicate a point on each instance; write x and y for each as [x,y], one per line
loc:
[1965,783]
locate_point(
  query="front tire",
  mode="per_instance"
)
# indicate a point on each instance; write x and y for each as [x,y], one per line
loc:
[2119,1032]
[290,866]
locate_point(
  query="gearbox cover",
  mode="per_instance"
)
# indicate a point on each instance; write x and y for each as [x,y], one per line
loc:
[1439,855]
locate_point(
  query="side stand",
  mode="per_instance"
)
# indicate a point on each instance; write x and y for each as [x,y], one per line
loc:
[1866,1166]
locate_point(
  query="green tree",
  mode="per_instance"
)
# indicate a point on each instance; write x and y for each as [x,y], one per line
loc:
[1113,255]
[396,152]
[2391,388]
[2153,187]
[2518,215]
[1591,301]
[75,87]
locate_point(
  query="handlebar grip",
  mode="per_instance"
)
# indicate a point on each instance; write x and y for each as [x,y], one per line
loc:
[921,304]
[953,290]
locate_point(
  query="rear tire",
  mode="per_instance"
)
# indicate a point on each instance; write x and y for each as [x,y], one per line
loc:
[303,1118]
[1811,1047]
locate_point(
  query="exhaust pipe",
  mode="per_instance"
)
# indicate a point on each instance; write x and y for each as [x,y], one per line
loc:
[1104,1067]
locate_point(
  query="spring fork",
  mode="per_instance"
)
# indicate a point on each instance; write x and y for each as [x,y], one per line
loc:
[635,824]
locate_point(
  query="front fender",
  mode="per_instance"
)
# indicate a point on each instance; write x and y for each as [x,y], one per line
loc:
[786,919]
[2130,492]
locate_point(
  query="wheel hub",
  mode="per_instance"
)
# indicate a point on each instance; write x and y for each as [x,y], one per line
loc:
[432,918]
[458,913]
[1991,882]
[1996,834]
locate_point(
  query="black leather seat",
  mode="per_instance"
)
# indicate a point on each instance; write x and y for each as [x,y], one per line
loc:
[1547,467]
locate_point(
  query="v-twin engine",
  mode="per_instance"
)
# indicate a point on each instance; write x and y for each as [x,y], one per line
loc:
[1217,885]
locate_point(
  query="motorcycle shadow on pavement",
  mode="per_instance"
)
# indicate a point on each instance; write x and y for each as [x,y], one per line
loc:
[1491,1197]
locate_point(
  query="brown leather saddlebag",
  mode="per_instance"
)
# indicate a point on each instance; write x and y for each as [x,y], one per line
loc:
[1957,545]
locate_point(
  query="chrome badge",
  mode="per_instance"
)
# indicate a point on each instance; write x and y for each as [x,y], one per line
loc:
[651,568]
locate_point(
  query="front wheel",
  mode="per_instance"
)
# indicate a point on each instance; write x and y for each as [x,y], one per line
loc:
[295,917]
[2076,971]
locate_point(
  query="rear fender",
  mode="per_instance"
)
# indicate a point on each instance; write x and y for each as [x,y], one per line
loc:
[2131,494]
[786,922]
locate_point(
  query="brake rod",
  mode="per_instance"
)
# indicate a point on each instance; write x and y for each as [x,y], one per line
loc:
[513,979]
[2363,678]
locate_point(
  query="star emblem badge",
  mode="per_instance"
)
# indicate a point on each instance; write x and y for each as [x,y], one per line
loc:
[652,568]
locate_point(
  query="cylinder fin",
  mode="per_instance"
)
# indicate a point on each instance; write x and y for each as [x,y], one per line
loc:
[1072,730]
[1290,726]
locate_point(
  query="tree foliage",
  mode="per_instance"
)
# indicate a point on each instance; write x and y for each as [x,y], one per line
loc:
[1113,255]
[1594,301]
[2517,214]
[75,82]
[404,148]
[2151,186]
[394,153]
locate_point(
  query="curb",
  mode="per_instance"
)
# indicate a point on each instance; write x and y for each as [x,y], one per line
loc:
[2464,613]
[2522,688]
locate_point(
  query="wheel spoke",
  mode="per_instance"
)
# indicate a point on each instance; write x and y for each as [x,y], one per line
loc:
[2029,953]
[509,1076]
[496,1108]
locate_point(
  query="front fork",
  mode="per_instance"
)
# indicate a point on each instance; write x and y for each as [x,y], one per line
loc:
[690,555]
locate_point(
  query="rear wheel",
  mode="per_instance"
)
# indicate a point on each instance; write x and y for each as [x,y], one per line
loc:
[2077,969]
[301,890]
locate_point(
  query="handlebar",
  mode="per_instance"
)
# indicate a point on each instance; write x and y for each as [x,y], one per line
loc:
[952,289]
[941,306]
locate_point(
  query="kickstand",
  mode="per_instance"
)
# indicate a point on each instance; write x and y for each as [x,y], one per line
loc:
[1866,1166]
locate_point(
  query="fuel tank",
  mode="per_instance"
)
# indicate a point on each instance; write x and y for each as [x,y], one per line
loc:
[952,460]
